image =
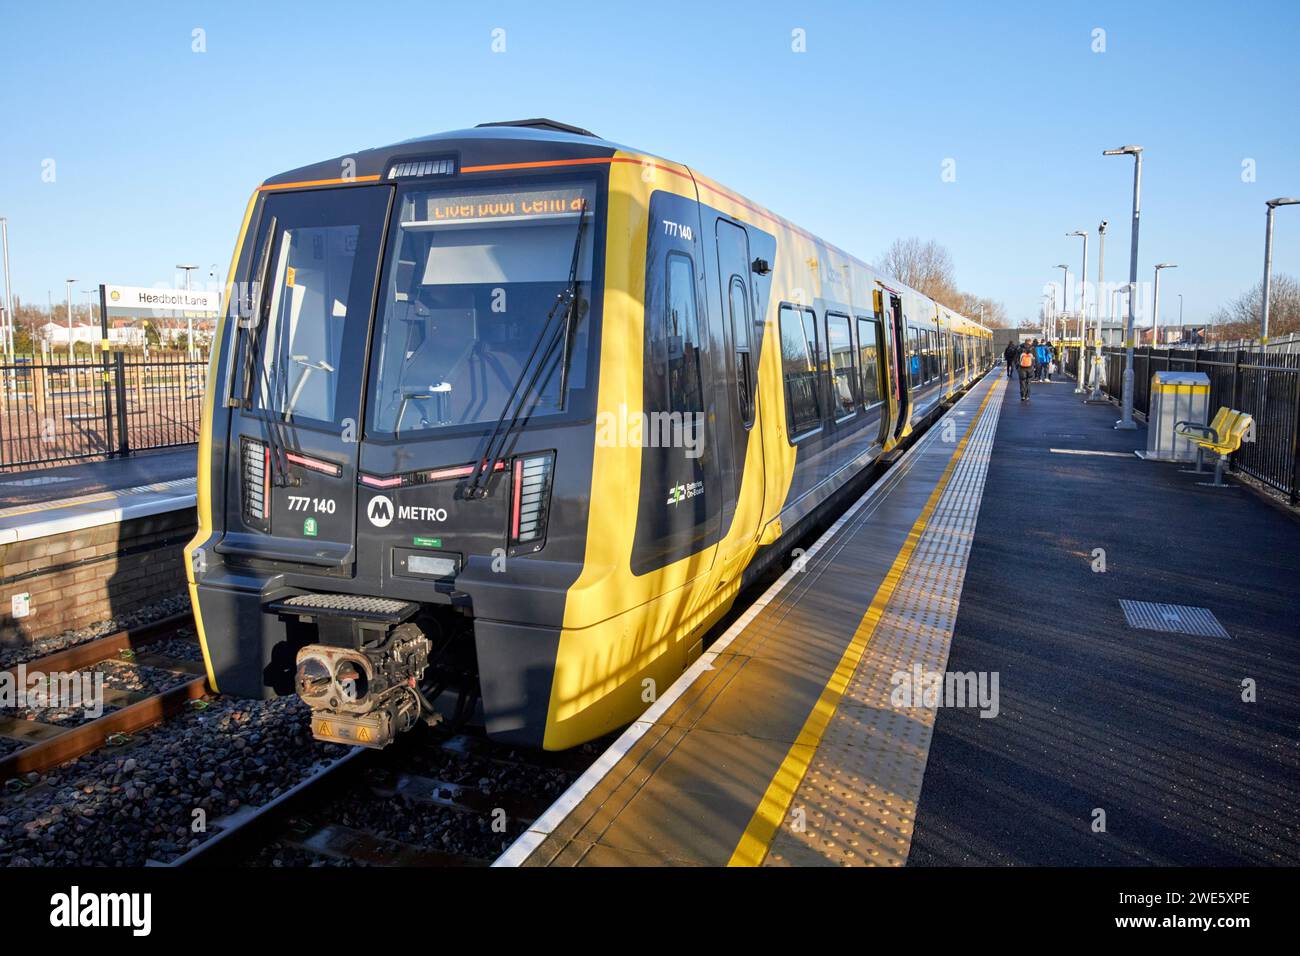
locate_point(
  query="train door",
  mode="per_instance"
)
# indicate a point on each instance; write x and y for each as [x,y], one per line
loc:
[293,386]
[737,315]
[679,509]
[898,370]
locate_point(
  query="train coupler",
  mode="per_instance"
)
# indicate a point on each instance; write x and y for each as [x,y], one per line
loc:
[366,691]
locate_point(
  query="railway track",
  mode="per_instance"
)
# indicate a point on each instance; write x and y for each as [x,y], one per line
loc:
[434,798]
[148,674]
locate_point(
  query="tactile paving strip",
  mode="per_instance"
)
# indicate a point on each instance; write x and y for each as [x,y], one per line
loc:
[856,806]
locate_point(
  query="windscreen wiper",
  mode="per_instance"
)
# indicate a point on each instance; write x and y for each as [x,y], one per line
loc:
[270,426]
[274,425]
[500,434]
[248,341]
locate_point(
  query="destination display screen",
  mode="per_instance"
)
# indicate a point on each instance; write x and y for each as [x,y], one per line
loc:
[499,205]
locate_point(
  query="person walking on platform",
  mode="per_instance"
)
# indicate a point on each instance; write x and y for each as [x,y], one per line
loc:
[1010,355]
[1044,361]
[1025,366]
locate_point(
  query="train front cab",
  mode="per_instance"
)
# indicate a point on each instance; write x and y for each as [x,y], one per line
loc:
[376,330]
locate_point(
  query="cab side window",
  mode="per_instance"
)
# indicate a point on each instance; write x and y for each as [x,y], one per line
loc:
[738,303]
[674,346]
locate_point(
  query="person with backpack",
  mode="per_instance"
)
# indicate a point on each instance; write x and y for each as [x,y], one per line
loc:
[1044,361]
[1025,366]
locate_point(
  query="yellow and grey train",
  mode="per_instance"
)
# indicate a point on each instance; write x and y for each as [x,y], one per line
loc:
[501,421]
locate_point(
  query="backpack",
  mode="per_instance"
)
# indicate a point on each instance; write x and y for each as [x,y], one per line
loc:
[1026,360]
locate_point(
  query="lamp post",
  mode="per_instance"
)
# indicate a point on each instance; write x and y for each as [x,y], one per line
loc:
[1083,306]
[1126,405]
[8,330]
[1155,305]
[72,369]
[1272,204]
[189,314]
[1095,395]
[1065,302]
[214,274]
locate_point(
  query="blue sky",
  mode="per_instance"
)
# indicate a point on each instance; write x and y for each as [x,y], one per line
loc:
[157,147]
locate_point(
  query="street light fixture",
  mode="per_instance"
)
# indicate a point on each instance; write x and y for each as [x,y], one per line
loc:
[1272,204]
[1126,406]
[1155,305]
[72,369]
[1095,395]
[1065,305]
[189,314]
[7,333]
[1083,306]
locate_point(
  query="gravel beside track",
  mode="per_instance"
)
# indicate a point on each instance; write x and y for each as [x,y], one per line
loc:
[22,653]
[127,805]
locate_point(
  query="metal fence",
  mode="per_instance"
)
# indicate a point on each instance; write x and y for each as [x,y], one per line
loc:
[96,407]
[1264,384]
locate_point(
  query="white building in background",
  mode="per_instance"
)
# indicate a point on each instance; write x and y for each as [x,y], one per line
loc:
[54,334]
[121,335]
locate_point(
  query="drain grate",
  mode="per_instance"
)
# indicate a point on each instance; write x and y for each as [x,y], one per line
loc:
[1172,619]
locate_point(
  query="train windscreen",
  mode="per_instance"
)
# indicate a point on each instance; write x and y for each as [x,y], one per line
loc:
[472,277]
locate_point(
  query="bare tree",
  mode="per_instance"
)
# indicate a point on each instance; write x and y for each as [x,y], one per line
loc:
[927,267]
[924,265]
[1240,318]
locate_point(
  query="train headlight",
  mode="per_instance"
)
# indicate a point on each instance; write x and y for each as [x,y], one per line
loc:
[530,504]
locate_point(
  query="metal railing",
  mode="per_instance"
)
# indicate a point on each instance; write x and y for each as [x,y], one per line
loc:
[97,406]
[1264,384]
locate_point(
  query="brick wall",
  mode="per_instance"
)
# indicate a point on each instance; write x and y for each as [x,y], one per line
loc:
[82,577]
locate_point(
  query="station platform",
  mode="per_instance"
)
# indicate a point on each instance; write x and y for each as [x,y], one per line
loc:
[42,519]
[964,670]
[61,482]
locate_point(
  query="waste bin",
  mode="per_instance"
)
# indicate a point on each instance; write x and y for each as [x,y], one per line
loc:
[1175,397]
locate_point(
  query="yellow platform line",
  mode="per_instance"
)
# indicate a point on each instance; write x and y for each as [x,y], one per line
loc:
[757,838]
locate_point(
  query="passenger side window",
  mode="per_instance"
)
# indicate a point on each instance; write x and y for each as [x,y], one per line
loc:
[839,340]
[914,357]
[740,329]
[869,360]
[799,370]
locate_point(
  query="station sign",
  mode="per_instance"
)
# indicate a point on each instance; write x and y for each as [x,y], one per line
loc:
[138,298]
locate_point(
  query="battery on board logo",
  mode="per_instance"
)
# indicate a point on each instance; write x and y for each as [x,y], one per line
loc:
[309,527]
[680,492]
[380,511]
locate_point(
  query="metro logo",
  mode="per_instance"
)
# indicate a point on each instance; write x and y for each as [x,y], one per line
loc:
[380,511]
